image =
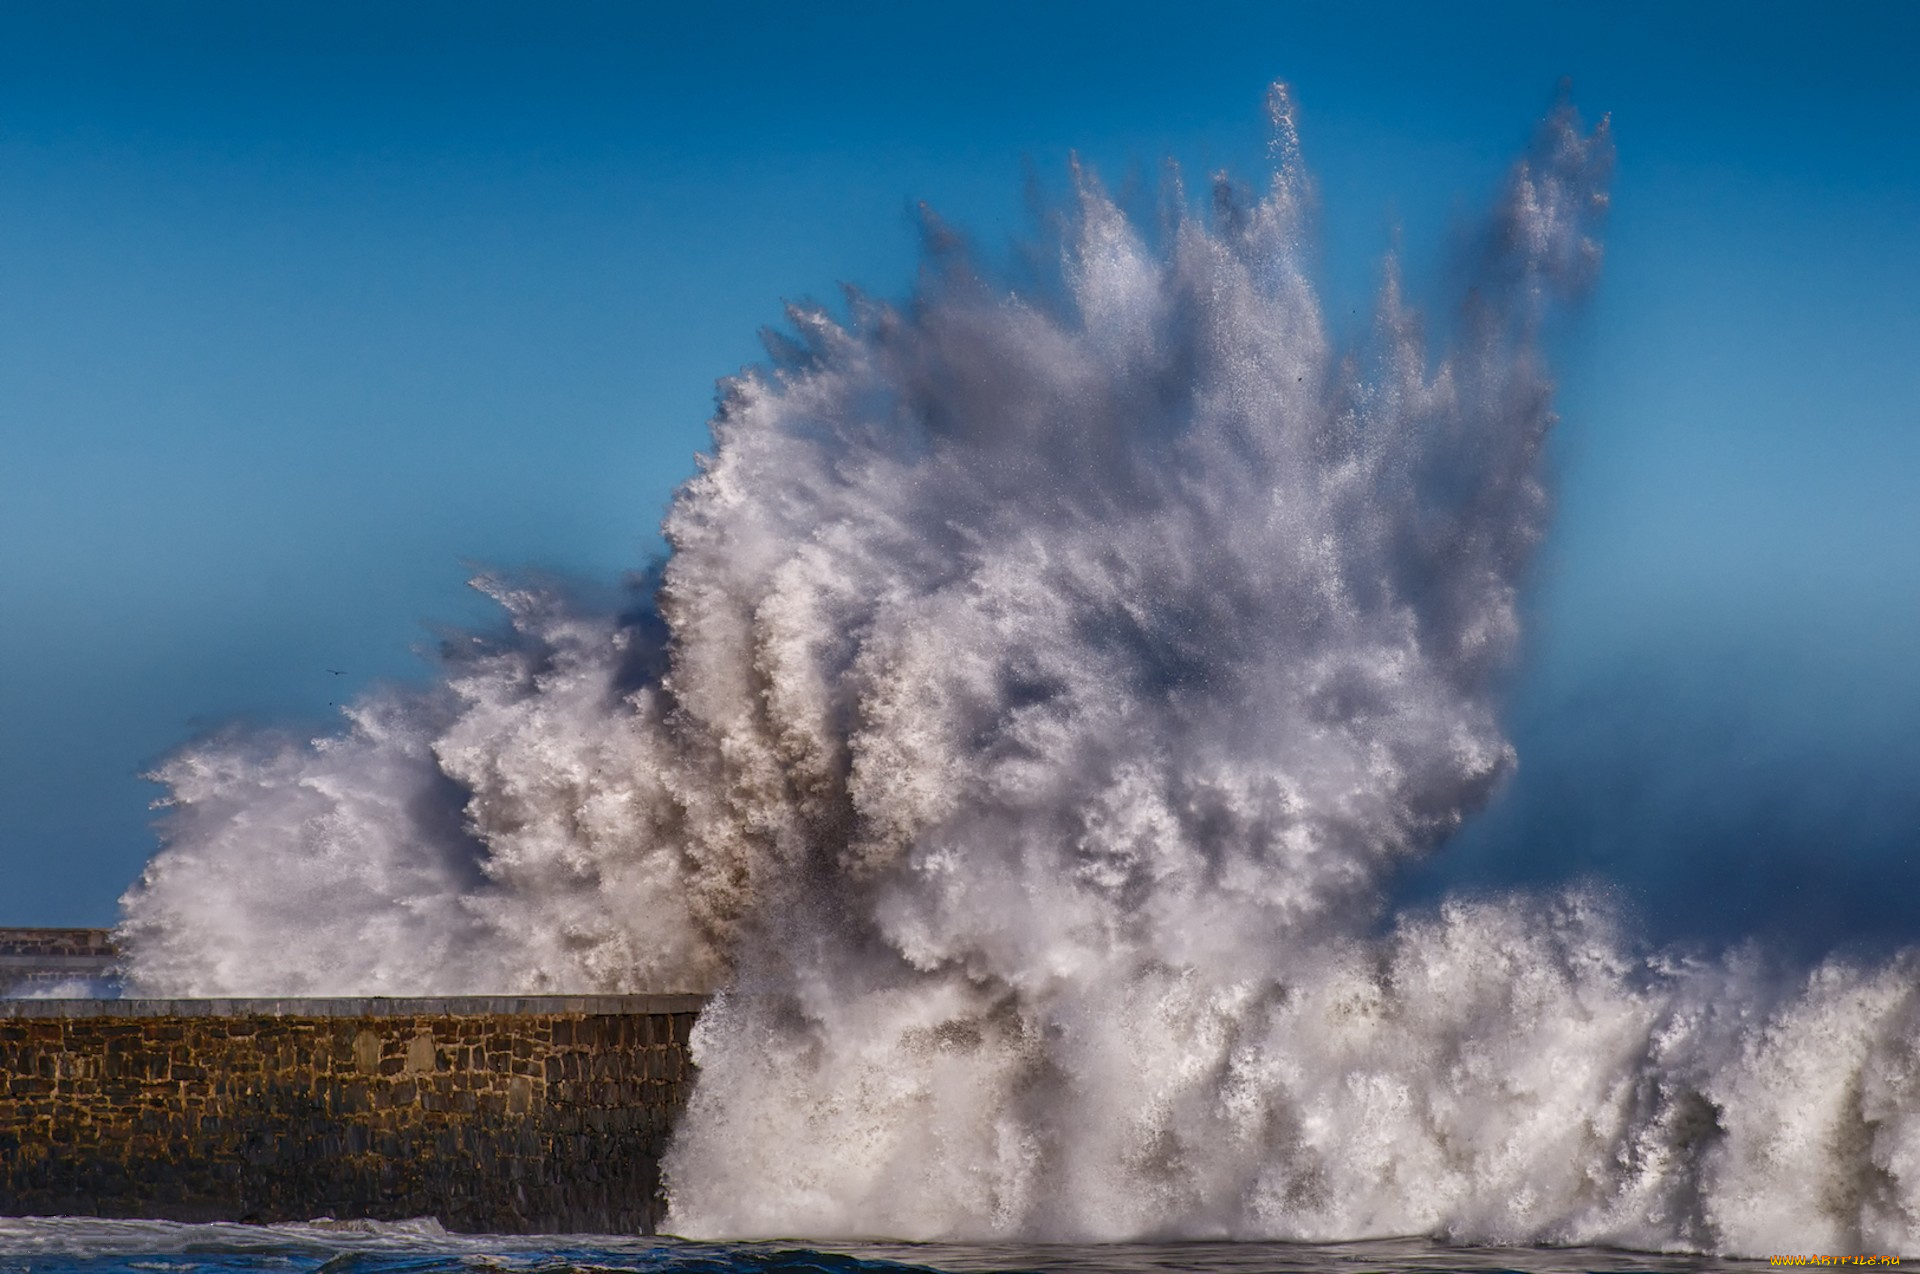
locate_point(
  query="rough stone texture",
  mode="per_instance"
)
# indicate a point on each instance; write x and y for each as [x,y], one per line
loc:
[535,1114]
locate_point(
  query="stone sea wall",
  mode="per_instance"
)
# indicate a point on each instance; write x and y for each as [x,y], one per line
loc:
[492,1114]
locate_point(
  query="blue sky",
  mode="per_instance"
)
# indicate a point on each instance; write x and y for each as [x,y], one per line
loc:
[304,309]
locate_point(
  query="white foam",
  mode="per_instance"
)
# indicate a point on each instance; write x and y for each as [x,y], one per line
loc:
[1053,678]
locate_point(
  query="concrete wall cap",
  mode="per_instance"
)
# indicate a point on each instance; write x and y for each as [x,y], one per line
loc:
[366,1006]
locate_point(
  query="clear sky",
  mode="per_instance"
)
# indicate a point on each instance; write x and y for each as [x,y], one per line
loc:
[306,309]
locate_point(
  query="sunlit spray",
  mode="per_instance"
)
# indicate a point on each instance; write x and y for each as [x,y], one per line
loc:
[1041,687]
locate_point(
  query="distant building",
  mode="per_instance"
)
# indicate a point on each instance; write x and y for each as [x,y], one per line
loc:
[36,961]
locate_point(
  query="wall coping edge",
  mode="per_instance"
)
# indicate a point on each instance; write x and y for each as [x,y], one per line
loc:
[362,1006]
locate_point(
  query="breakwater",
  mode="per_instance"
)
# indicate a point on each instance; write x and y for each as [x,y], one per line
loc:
[505,1114]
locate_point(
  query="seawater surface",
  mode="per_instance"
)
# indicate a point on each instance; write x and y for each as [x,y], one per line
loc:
[87,1245]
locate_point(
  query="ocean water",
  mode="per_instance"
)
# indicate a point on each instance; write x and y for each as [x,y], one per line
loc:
[85,1245]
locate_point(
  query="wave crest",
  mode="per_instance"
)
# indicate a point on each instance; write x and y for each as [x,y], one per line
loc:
[1042,684]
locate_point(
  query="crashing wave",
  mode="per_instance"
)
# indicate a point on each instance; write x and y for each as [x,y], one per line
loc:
[1042,685]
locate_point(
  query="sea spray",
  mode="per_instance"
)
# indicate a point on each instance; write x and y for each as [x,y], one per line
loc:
[1042,684]
[510,829]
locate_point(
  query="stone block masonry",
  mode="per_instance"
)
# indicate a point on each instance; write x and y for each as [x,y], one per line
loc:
[492,1114]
